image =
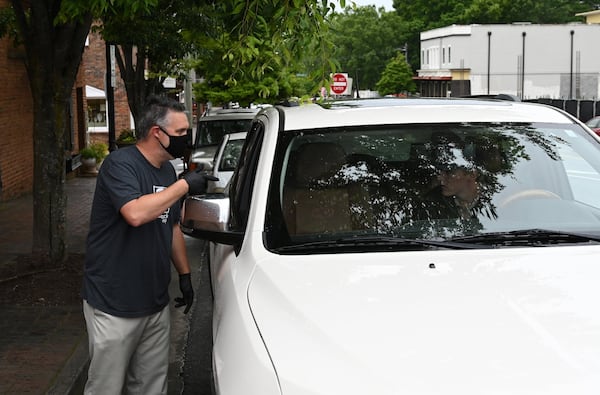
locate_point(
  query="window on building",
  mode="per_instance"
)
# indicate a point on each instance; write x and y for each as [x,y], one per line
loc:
[449,55]
[96,110]
[443,55]
[96,114]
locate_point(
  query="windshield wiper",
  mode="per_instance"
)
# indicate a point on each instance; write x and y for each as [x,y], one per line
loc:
[529,237]
[371,243]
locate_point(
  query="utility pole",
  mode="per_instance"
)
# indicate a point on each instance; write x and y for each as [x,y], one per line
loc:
[110,94]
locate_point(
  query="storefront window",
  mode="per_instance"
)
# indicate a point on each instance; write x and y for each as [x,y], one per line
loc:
[97,115]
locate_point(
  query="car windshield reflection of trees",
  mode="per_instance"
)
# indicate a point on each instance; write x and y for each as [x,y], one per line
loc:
[386,181]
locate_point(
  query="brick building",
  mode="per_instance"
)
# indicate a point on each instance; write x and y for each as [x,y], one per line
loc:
[88,116]
[16,150]
[93,76]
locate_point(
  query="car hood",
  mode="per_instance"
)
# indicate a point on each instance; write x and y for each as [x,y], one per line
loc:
[510,321]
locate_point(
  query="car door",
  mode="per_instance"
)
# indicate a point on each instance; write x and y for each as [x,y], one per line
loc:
[223,258]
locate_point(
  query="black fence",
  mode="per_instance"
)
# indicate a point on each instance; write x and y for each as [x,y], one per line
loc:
[582,109]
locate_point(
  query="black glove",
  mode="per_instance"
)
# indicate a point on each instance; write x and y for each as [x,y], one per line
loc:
[197,182]
[185,285]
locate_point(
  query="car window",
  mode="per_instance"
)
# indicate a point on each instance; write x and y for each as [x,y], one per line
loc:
[242,181]
[433,181]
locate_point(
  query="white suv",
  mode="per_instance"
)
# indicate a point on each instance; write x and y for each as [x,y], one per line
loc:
[407,247]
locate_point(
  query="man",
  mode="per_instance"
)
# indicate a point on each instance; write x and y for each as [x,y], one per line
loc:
[134,235]
[460,184]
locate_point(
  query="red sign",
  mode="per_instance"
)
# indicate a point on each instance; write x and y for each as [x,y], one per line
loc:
[339,84]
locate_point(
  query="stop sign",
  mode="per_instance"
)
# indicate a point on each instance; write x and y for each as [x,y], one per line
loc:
[339,84]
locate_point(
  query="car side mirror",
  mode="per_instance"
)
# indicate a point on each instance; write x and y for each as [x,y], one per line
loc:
[207,217]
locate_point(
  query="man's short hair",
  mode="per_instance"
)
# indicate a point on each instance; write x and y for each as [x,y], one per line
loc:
[154,113]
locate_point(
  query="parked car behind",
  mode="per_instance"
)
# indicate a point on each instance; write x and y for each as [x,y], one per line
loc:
[400,246]
[210,131]
[594,124]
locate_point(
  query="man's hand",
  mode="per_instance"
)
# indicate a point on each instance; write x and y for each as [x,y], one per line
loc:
[197,182]
[185,285]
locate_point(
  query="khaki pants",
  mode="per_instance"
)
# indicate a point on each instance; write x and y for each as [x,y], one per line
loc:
[128,355]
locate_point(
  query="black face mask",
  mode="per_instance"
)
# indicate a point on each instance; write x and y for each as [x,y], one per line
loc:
[177,144]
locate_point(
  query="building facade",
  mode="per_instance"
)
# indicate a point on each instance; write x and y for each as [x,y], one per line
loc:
[87,112]
[16,116]
[529,61]
[95,107]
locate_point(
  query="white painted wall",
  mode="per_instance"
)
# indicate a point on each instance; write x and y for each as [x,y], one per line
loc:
[549,68]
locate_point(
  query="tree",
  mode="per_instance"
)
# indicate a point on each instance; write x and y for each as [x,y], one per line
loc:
[150,45]
[364,40]
[53,34]
[243,49]
[257,50]
[396,78]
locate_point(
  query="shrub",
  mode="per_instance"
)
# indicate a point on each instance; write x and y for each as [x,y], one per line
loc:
[127,136]
[95,150]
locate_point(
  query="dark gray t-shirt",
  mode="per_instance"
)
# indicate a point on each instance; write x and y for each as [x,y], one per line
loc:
[128,269]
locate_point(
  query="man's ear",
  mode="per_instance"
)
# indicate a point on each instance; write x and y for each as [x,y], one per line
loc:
[155,131]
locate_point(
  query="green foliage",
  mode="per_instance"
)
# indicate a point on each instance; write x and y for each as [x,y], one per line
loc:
[364,40]
[257,49]
[243,50]
[396,78]
[8,25]
[99,151]
[127,136]
[75,9]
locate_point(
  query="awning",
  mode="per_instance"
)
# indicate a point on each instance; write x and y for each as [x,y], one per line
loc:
[94,93]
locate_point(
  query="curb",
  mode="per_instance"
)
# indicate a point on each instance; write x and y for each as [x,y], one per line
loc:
[73,375]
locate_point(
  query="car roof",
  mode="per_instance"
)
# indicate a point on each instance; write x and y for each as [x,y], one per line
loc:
[416,111]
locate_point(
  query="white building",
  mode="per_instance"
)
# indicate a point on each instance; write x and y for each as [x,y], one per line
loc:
[526,60]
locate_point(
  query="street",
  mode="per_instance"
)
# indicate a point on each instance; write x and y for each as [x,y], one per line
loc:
[191,338]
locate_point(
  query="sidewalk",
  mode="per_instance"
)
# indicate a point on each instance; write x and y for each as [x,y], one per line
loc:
[43,350]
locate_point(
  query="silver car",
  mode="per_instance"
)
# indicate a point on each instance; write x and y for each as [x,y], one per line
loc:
[226,160]
[210,132]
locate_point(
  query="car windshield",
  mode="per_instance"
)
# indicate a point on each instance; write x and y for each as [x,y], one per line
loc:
[432,182]
[211,132]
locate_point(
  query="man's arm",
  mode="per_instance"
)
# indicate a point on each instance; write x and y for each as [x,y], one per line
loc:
[178,252]
[181,263]
[148,207]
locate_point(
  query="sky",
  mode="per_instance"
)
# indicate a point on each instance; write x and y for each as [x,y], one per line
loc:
[387,4]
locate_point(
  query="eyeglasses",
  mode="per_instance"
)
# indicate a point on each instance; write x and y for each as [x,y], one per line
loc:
[187,131]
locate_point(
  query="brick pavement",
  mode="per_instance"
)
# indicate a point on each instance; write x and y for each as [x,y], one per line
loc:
[42,349]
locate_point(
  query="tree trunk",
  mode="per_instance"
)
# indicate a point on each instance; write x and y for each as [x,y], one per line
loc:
[49,199]
[138,86]
[53,55]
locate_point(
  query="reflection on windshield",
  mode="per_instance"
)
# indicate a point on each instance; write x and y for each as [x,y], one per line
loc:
[433,181]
